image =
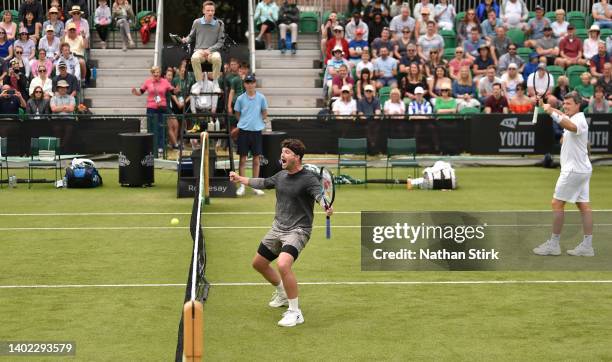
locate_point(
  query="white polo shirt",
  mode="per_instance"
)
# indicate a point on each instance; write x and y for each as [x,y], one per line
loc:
[540,82]
[574,150]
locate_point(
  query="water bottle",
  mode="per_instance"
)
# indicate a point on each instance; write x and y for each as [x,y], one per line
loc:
[211,126]
[12,181]
[217,125]
[65,182]
[94,72]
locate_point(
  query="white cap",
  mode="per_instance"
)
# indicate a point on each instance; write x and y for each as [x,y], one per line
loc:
[594,27]
[512,65]
[369,87]
[346,88]
[338,27]
[419,90]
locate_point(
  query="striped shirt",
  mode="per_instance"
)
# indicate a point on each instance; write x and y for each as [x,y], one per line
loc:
[420,108]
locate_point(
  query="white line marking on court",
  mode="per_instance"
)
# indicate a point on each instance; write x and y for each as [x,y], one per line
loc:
[257,284]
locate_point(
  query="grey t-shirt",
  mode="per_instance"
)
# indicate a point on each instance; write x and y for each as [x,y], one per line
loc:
[295,197]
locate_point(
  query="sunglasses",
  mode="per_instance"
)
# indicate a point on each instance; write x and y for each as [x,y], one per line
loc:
[458,52]
[37,91]
[445,90]
[337,31]
[18,52]
[42,70]
[71,29]
[405,31]
[369,91]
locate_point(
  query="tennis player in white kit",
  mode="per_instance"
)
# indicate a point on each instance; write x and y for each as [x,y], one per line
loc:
[573,182]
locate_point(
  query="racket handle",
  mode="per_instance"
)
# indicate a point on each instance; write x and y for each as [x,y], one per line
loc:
[535,115]
[327,227]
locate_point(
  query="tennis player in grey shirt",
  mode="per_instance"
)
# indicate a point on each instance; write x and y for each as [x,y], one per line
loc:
[297,189]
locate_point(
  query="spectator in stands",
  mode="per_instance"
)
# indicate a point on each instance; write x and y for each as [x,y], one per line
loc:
[156,87]
[77,43]
[418,109]
[591,44]
[394,106]
[559,26]
[337,41]
[54,22]
[482,62]
[365,79]
[395,8]
[598,103]
[355,5]
[266,16]
[345,105]
[418,9]
[50,43]
[9,26]
[16,77]
[401,22]
[81,25]
[485,7]
[376,27]
[364,64]
[342,78]
[332,69]
[469,22]
[24,64]
[368,105]
[11,100]
[510,58]
[62,103]
[536,26]
[496,102]
[413,80]
[429,41]
[357,47]
[288,18]
[500,43]
[439,81]
[38,103]
[489,26]
[171,121]
[472,45]
[444,103]
[27,45]
[183,82]
[532,66]
[421,24]
[355,24]
[375,7]
[520,103]
[41,60]
[202,99]
[485,85]
[237,86]
[547,46]
[464,90]
[602,14]
[570,49]
[6,46]
[82,4]
[410,57]
[383,42]
[585,89]
[385,69]
[599,60]
[514,14]
[32,27]
[543,83]
[33,6]
[123,15]
[606,80]
[71,80]
[41,80]
[419,105]
[458,62]
[445,14]
[435,60]
[562,88]
[327,29]
[103,21]
[510,79]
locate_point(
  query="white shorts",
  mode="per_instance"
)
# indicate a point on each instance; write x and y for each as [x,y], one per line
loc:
[572,187]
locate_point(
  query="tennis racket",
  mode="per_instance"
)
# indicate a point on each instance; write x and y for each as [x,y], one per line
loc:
[328,191]
[539,96]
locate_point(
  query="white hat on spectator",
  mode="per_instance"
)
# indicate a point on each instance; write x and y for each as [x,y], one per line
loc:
[337,48]
[594,27]
[63,84]
[369,87]
[512,65]
[338,27]
[419,90]
[50,28]
[346,88]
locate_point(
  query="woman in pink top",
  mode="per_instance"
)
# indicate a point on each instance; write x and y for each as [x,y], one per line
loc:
[8,25]
[42,59]
[156,88]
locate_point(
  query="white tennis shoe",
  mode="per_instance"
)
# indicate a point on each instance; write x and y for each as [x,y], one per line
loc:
[548,248]
[240,191]
[278,300]
[291,318]
[582,250]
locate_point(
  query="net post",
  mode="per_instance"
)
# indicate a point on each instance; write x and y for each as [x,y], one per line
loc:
[206,171]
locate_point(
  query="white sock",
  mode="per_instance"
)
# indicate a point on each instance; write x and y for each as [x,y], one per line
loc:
[555,238]
[588,241]
[293,304]
[280,288]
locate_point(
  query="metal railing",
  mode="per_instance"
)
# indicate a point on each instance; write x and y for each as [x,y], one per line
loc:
[159,34]
[137,5]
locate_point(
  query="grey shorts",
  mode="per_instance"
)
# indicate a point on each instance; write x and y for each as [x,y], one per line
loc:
[277,241]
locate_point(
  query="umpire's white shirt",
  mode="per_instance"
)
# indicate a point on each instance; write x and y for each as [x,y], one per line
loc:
[574,150]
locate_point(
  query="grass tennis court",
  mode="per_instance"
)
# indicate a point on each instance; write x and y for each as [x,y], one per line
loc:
[119,274]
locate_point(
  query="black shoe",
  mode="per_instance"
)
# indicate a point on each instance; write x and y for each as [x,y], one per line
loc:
[293,48]
[283,46]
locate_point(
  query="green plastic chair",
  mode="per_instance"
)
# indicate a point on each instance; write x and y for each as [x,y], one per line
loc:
[604,33]
[384,95]
[573,73]
[309,22]
[3,161]
[556,71]
[140,15]
[582,34]
[517,36]
[450,38]
[401,147]
[551,15]
[449,53]
[44,152]
[470,110]
[576,18]
[524,53]
[353,146]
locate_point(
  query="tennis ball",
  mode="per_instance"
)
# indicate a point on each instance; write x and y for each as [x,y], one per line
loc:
[174,221]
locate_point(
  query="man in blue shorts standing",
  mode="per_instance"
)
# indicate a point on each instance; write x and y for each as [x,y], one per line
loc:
[251,109]
[297,189]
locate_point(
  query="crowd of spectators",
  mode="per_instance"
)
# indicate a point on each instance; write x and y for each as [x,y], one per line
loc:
[379,54]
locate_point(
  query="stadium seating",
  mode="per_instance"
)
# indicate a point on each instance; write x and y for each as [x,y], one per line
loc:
[450,38]
[459,18]
[531,15]
[44,152]
[356,147]
[449,53]
[604,33]
[582,34]
[555,71]
[517,36]
[3,161]
[309,22]
[469,110]
[577,18]
[524,53]
[401,147]
[551,15]
[573,74]
[383,94]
